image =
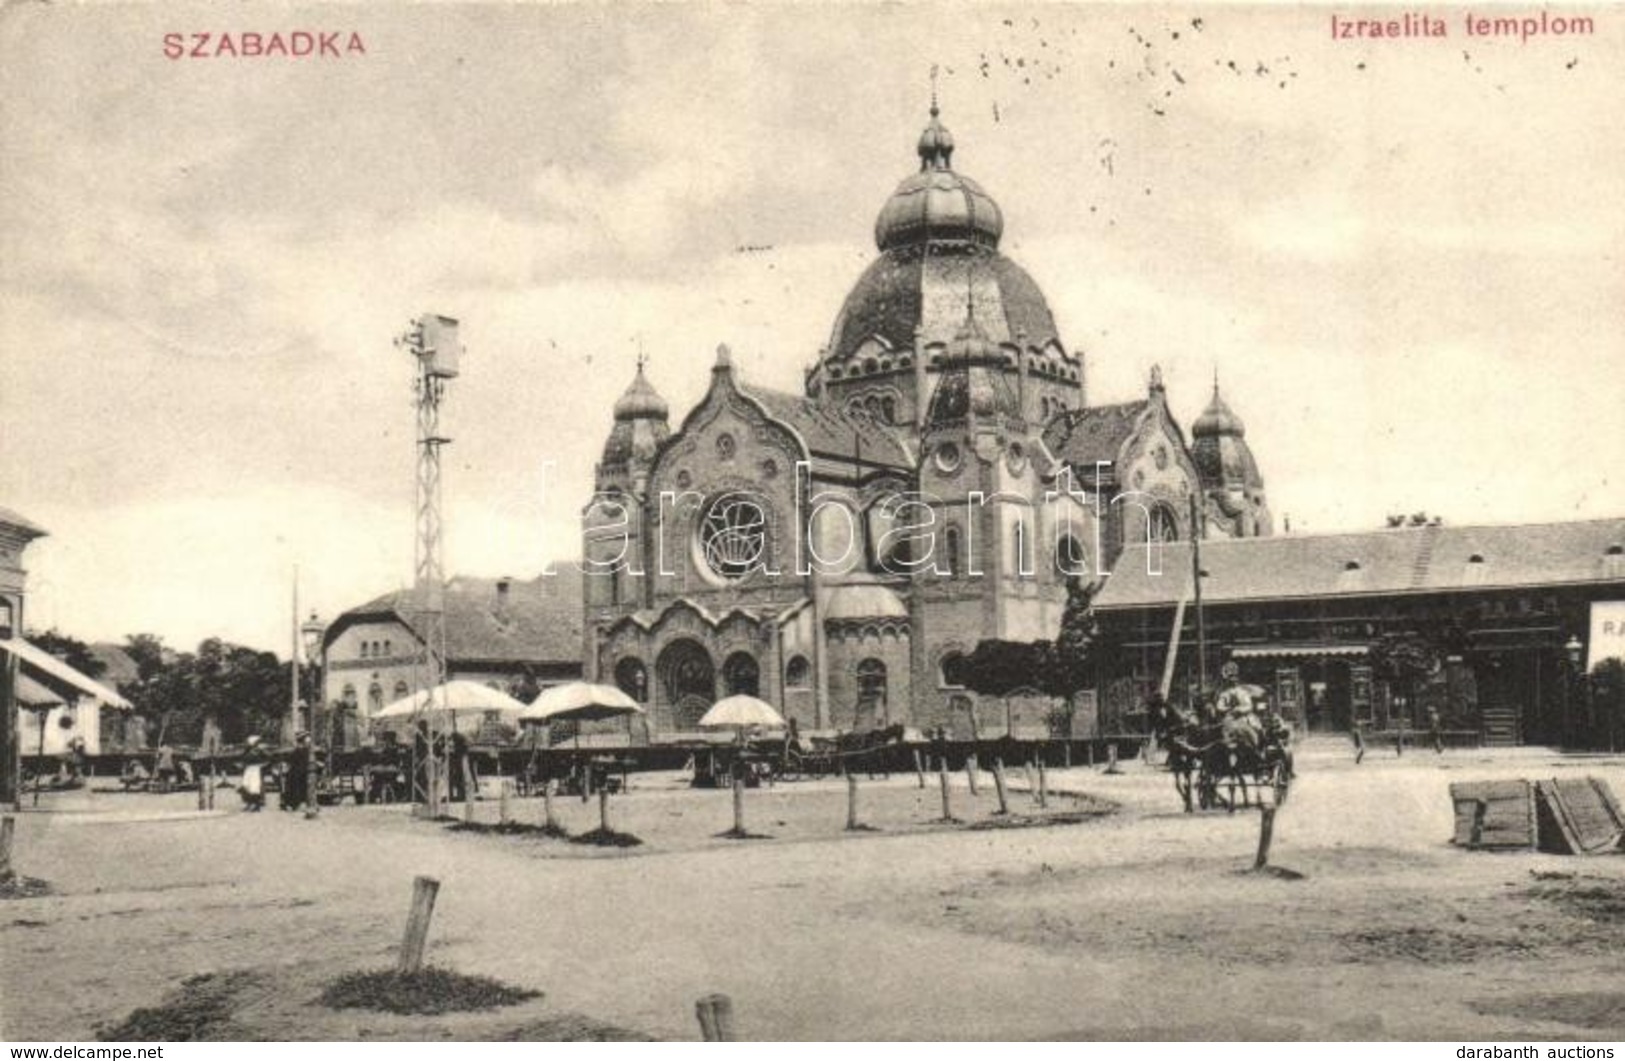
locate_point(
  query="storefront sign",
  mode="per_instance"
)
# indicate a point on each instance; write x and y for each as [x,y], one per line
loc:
[1607,632]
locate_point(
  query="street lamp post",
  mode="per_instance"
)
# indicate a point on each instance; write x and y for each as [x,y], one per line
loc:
[1572,649]
[311,631]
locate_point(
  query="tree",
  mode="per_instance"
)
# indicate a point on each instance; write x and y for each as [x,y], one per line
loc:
[1404,661]
[70,650]
[241,690]
[1070,664]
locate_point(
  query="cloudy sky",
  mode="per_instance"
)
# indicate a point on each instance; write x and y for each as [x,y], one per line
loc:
[1403,258]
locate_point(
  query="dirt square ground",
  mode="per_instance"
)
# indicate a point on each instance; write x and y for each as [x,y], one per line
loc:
[1114,915]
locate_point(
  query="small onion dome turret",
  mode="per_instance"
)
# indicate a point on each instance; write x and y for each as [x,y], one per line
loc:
[1218,419]
[641,401]
[1219,446]
[640,426]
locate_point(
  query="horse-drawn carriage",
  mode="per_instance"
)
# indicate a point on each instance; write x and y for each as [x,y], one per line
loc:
[1231,761]
[865,751]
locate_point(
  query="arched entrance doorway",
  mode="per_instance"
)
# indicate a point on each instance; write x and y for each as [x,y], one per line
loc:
[741,676]
[688,681]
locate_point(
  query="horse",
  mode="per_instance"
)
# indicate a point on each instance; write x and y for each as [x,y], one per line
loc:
[1212,759]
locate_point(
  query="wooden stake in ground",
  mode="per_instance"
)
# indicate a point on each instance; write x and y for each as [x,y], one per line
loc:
[1066,748]
[503,810]
[1043,784]
[1032,780]
[919,768]
[1111,759]
[547,804]
[970,772]
[8,835]
[851,802]
[1266,832]
[739,804]
[942,776]
[716,1015]
[603,807]
[424,891]
[998,786]
[467,768]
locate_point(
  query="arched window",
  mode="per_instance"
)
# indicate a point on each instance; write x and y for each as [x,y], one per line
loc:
[950,546]
[366,649]
[401,690]
[632,679]
[1163,525]
[386,648]
[953,671]
[1022,556]
[375,699]
[888,410]
[741,676]
[872,687]
[797,673]
[1069,557]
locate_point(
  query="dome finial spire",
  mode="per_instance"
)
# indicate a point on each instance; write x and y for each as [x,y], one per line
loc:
[936,148]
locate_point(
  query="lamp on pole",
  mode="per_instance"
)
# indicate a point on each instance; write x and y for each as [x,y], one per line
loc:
[1572,649]
[311,631]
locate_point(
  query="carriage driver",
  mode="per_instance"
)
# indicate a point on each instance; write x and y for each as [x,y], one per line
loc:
[1237,719]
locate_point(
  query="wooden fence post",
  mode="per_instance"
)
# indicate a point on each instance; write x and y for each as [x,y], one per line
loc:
[503,809]
[8,835]
[547,804]
[970,772]
[603,807]
[942,776]
[1032,780]
[1066,747]
[1266,832]
[1043,784]
[467,767]
[424,890]
[1111,758]
[739,806]
[716,1015]
[851,802]
[998,785]
[919,768]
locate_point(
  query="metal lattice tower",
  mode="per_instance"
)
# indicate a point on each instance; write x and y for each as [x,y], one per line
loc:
[432,341]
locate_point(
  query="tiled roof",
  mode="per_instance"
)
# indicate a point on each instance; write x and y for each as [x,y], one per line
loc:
[1405,560]
[903,289]
[1083,436]
[538,622]
[117,665]
[829,432]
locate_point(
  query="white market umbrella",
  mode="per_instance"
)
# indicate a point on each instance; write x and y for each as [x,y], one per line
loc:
[580,702]
[454,698]
[741,712]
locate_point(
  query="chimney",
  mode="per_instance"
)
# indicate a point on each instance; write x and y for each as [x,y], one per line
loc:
[502,595]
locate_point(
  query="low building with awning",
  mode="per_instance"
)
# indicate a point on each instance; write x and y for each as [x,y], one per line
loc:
[1496,624]
[56,703]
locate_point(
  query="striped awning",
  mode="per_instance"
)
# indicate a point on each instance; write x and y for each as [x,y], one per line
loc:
[42,660]
[1297,651]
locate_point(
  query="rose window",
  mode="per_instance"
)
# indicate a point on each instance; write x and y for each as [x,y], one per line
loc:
[733,536]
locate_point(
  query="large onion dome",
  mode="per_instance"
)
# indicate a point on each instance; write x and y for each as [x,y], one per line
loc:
[938,233]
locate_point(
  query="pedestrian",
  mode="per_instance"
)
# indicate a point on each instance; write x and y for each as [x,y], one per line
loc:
[1436,730]
[296,775]
[165,768]
[1358,734]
